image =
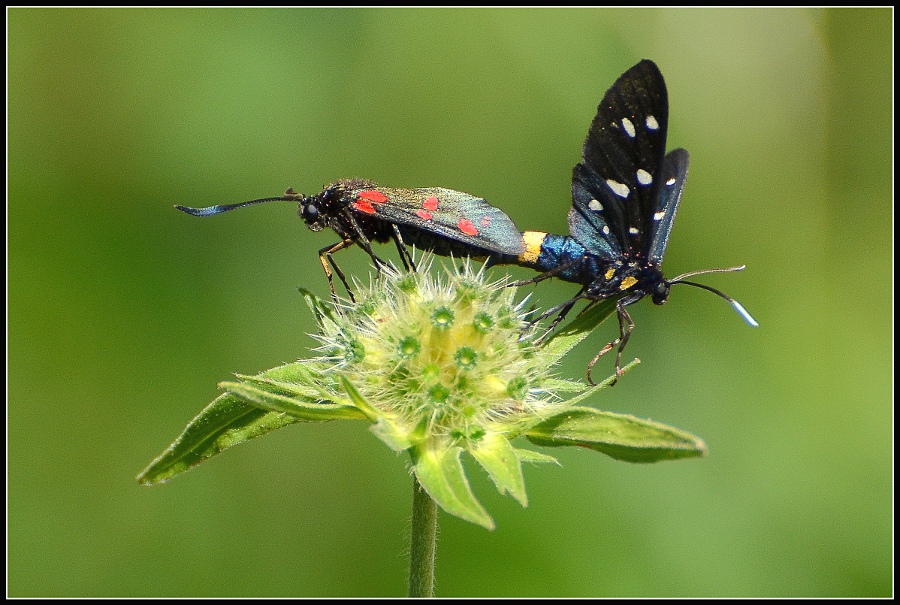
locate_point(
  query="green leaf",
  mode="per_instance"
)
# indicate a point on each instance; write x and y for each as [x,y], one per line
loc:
[225,422]
[441,474]
[309,381]
[391,435]
[389,432]
[535,457]
[322,311]
[300,408]
[300,371]
[565,339]
[359,401]
[303,378]
[564,385]
[499,459]
[525,428]
[620,436]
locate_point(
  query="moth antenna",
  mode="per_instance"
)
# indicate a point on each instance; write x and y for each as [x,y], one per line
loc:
[289,196]
[737,306]
[702,271]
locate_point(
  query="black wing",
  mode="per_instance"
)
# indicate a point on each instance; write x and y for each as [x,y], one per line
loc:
[672,178]
[617,184]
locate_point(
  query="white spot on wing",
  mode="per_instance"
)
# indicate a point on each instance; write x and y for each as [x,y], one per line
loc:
[651,122]
[618,188]
[633,231]
[605,230]
[659,215]
[628,126]
[644,177]
[670,182]
[595,206]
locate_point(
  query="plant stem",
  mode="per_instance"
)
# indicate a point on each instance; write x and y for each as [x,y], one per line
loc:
[422,543]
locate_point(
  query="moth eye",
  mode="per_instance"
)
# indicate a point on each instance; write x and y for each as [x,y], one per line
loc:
[310,213]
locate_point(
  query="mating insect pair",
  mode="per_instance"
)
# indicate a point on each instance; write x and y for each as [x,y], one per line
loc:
[625,194]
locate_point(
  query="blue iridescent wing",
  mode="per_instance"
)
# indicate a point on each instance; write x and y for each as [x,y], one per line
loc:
[616,186]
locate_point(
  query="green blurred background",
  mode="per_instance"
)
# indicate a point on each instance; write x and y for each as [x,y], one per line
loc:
[124,313]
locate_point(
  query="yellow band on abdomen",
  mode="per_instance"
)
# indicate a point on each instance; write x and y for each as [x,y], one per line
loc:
[533,242]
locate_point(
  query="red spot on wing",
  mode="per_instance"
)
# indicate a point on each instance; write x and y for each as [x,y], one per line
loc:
[373,196]
[364,206]
[364,200]
[430,203]
[485,221]
[466,226]
[425,215]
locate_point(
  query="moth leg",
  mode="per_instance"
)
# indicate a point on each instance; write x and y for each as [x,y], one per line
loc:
[405,256]
[363,241]
[547,274]
[626,327]
[325,253]
[562,310]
